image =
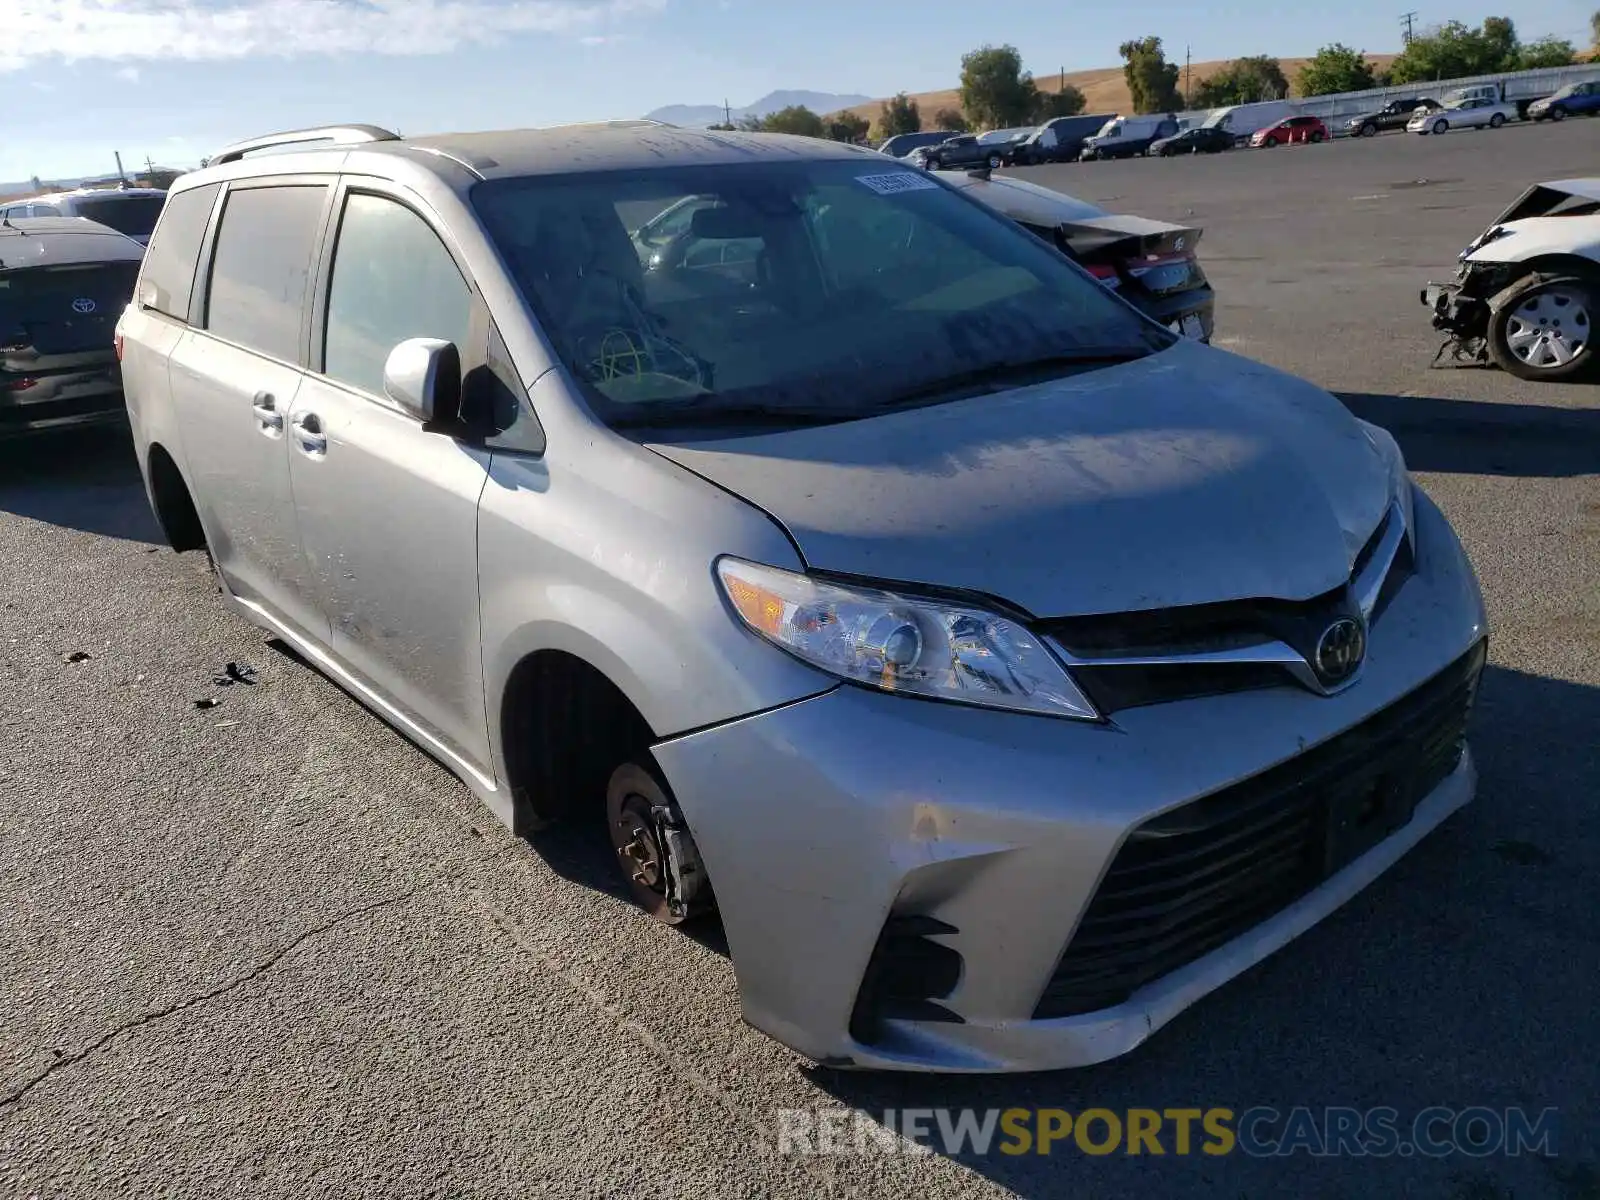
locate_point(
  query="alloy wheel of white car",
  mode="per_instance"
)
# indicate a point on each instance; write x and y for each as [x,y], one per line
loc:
[1545,333]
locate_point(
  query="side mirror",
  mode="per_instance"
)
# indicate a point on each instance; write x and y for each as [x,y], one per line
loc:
[423,376]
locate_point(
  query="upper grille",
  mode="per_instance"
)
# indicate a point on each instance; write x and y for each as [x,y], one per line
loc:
[1199,876]
[1124,660]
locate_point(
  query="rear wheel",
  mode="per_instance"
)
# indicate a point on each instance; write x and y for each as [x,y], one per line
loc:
[994,162]
[1441,126]
[1316,135]
[1497,120]
[1545,331]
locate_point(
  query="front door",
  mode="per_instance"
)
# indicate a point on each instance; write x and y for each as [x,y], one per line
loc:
[388,511]
[233,383]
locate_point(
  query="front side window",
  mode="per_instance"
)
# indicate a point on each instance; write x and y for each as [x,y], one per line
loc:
[827,285]
[392,280]
[262,264]
[169,265]
[49,210]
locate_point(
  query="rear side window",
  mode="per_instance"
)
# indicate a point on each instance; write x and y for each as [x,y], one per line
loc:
[392,280]
[262,262]
[169,264]
[133,215]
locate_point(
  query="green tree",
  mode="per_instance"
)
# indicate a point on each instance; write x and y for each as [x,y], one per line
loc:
[899,115]
[1547,52]
[749,124]
[1243,81]
[949,119]
[1336,68]
[797,118]
[1454,50]
[847,127]
[996,92]
[1152,80]
[1068,102]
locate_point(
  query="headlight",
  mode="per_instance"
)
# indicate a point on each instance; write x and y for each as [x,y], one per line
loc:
[901,643]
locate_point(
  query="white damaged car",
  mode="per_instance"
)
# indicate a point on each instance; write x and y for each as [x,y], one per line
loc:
[1528,289]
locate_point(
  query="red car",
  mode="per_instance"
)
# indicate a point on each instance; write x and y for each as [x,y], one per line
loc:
[1291,129]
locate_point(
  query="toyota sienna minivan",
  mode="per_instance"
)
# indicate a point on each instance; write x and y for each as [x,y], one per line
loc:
[1006,671]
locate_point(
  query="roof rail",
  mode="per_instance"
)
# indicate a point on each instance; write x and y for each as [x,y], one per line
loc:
[338,135]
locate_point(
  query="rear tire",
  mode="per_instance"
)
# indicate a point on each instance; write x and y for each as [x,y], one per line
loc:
[994,162]
[1316,136]
[1497,120]
[1545,330]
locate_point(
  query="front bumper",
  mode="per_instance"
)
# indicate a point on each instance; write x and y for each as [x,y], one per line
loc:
[834,826]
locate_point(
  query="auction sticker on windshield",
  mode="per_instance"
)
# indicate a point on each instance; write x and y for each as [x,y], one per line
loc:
[896,181]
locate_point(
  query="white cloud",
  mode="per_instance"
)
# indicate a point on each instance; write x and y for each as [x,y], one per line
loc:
[130,74]
[67,30]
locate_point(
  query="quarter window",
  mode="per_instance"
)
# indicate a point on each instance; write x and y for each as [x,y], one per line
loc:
[262,262]
[168,277]
[393,279]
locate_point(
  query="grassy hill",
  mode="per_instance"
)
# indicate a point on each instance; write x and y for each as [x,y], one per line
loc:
[1105,89]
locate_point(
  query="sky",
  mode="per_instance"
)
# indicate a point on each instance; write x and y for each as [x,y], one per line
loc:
[173,80]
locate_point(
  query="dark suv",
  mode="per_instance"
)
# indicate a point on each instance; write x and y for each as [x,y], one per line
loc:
[1392,115]
[64,282]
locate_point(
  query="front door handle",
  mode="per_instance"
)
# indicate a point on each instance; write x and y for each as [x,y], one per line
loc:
[308,433]
[268,419]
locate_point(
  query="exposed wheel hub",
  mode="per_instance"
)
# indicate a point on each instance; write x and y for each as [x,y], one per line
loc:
[654,849]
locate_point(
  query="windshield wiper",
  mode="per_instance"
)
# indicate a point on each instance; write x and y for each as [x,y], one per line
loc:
[999,376]
[711,411]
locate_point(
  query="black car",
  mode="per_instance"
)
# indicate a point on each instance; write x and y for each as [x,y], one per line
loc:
[961,150]
[1202,139]
[64,282]
[902,144]
[1392,115]
[1150,264]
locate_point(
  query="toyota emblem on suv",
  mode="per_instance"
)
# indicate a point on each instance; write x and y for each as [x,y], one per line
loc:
[1340,650]
[83,304]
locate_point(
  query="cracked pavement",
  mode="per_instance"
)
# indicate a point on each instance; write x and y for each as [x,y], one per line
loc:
[270,949]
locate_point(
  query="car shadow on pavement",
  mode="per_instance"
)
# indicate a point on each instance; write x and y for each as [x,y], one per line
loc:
[1469,437]
[87,480]
[1420,991]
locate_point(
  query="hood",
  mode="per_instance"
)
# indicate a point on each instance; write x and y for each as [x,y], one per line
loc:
[1188,477]
[1562,217]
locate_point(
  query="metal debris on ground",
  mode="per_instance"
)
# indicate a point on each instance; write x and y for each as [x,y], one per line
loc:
[77,656]
[208,702]
[233,673]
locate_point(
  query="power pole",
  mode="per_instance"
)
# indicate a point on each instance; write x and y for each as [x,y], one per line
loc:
[727,112]
[1188,77]
[1409,21]
[120,174]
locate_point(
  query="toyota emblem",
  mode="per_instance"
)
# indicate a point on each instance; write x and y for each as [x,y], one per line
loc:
[83,304]
[1340,650]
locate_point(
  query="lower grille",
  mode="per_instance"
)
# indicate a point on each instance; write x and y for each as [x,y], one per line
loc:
[1199,876]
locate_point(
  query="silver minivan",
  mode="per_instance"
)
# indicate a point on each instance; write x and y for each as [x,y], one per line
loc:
[1005,671]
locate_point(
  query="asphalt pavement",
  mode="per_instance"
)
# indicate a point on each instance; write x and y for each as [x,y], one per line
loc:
[267,948]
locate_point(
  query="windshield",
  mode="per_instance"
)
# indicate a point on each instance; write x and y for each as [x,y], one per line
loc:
[1110,129]
[825,285]
[133,215]
[1569,90]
